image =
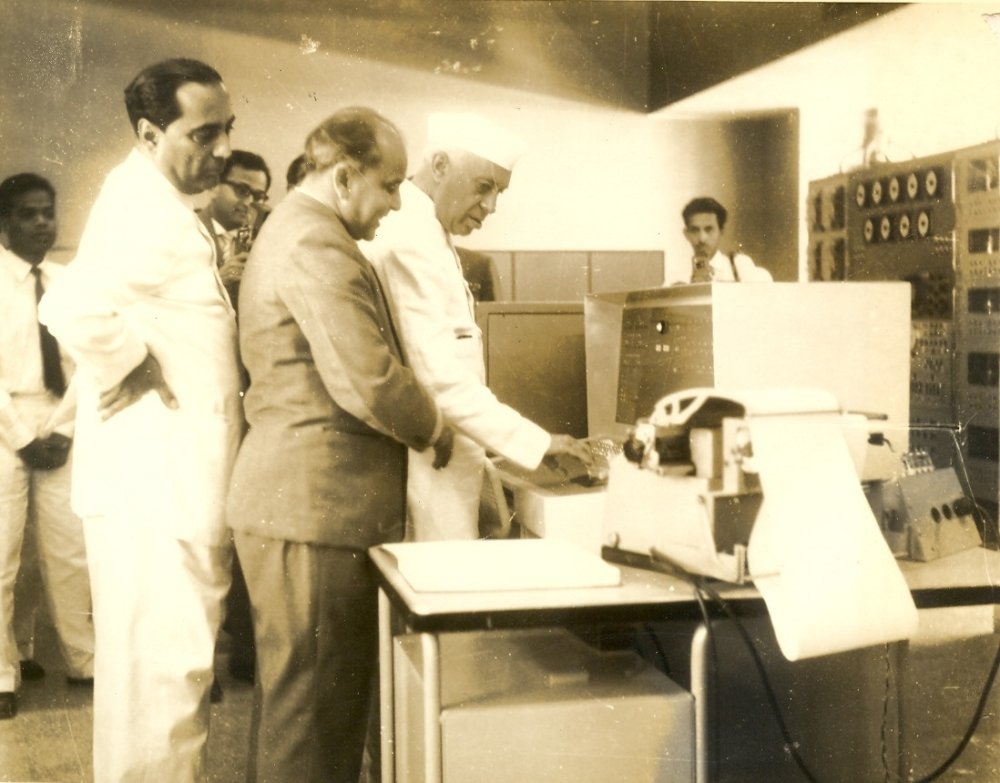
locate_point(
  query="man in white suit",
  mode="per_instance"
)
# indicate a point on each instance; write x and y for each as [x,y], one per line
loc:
[143,312]
[466,166]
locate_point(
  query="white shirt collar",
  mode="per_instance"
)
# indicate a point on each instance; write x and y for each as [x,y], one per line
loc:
[18,267]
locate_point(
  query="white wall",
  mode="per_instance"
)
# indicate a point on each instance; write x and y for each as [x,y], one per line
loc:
[750,164]
[931,70]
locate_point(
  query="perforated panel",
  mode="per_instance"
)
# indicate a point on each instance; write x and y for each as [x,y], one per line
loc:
[827,209]
[935,223]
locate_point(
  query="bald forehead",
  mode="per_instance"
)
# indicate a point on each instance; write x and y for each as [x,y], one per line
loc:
[390,145]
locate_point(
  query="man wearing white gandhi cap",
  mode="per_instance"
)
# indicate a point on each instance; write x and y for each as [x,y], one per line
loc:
[466,166]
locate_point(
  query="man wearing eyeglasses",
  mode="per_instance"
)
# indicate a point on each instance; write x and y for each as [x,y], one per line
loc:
[238,203]
[237,208]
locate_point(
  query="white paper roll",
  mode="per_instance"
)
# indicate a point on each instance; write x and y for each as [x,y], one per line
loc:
[816,553]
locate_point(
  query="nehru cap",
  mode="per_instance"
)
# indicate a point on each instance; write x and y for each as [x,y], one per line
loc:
[473,133]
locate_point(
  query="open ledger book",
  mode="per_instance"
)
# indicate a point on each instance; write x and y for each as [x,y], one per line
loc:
[515,564]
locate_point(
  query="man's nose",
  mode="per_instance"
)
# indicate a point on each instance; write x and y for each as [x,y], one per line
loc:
[222,148]
[490,202]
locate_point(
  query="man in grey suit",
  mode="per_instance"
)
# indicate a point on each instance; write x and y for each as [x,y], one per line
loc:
[321,475]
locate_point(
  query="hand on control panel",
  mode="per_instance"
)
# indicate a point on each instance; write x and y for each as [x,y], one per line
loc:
[580,461]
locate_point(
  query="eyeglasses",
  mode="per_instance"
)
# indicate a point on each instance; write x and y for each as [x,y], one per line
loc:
[244,192]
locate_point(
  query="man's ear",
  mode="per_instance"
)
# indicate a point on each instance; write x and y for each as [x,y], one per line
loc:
[148,133]
[440,163]
[341,178]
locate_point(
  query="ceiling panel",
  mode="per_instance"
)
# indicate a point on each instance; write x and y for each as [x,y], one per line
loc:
[636,55]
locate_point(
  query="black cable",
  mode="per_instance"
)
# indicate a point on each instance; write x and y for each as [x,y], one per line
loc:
[786,735]
[699,585]
[988,686]
[661,654]
[790,743]
[977,716]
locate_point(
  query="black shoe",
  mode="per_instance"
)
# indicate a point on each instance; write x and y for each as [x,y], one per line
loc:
[80,682]
[8,705]
[31,670]
[215,694]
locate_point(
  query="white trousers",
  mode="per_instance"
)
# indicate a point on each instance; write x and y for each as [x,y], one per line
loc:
[41,553]
[157,610]
[443,505]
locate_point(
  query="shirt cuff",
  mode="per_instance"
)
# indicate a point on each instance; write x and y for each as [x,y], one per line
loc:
[17,434]
[529,450]
[111,374]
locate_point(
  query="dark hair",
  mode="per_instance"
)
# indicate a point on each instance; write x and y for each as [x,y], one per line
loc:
[12,188]
[348,133]
[704,205]
[296,172]
[250,161]
[153,93]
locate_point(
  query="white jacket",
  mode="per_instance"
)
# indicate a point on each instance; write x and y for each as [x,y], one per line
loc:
[145,280]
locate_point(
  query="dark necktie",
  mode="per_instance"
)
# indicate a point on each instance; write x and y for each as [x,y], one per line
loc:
[55,381]
[206,221]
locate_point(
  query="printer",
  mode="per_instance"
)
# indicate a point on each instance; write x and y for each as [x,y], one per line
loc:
[686,489]
[763,485]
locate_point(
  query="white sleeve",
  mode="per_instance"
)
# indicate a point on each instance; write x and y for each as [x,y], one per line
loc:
[749,272]
[417,283]
[84,307]
[13,431]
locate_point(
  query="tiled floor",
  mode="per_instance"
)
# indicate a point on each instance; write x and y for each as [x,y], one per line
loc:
[49,740]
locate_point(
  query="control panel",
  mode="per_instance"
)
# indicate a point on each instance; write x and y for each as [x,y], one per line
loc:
[663,349]
[933,222]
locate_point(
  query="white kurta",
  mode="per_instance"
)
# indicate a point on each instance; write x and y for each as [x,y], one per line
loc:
[150,482]
[434,314]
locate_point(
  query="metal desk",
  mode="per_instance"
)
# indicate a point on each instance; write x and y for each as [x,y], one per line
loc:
[966,579]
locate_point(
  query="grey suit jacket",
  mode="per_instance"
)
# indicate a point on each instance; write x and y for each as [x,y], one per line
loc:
[331,407]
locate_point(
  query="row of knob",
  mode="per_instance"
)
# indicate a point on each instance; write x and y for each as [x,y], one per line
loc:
[889,228]
[914,186]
